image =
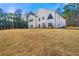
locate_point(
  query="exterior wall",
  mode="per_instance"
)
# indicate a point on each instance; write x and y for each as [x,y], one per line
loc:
[53,21]
[43,14]
[31,24]
[60,21]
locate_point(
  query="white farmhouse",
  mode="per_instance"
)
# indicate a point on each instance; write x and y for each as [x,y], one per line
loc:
[44,18]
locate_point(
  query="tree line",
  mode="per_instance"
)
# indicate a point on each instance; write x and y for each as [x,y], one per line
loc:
[17,20]
[71,14]
[13,20]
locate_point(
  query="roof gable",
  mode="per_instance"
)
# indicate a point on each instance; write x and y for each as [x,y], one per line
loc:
[50,16]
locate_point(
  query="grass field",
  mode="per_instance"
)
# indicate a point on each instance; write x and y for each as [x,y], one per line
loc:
[39,42]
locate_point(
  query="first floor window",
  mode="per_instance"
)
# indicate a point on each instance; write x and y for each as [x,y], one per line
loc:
[50,25]
[43,25]
[58,25]
[39,25]
[31,26]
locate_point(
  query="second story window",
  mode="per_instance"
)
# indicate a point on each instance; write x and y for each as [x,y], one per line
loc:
[39,19]
[43,18]
[30,20]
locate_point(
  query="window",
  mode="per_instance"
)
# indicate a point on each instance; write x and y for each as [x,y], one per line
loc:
[50,16]
[50,25]
[43,18]
[57,17]
[30,20]
[31,26]
[39,19]
[58,25]
[39,25]
[43,25]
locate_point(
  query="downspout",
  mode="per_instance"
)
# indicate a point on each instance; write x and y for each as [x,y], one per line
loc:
[55,19]
[35,21]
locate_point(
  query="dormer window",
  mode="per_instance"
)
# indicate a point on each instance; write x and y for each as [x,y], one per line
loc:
[50,16]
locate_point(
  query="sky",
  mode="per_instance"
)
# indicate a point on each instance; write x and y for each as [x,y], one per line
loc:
[10,7]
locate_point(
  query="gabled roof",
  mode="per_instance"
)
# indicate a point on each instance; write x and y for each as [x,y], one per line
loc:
[31,13]
[50,16]
[59,14]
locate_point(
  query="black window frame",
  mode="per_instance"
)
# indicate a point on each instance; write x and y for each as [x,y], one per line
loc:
[43,18]
[39,19]
[50,25]
[39,25]
[31,26]
[43,25]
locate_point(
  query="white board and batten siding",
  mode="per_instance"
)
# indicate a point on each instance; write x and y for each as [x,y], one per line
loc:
[44,18]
